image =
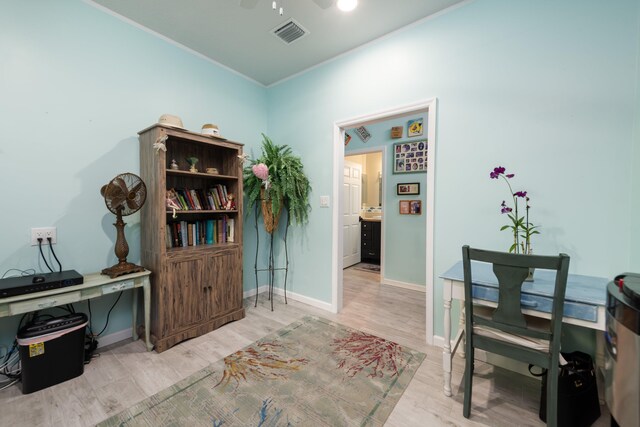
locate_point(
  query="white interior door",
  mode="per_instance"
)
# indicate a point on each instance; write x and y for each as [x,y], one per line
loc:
[352,197]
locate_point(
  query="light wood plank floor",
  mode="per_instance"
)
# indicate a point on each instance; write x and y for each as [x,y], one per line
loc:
[125,374]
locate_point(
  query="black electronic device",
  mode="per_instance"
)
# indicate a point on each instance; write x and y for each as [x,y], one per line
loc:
[13,286]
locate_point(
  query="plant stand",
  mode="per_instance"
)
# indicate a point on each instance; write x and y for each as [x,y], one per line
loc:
[271,269]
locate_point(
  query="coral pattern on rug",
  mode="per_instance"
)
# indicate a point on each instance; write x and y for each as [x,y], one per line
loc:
[313,372]
[359,351]
[262,361]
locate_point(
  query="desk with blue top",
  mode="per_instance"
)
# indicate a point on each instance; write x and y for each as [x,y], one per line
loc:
[584,305]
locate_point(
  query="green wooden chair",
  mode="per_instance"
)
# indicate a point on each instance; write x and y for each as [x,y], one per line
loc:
[505,331]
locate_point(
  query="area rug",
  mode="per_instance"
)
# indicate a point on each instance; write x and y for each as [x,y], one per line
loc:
[367,267]
[313,372]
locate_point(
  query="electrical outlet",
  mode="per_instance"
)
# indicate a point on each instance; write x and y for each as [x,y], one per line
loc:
[43,233]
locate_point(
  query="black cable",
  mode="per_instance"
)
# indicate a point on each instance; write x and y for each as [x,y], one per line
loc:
[112,307]
[90,328]
[42,255]
[54,253]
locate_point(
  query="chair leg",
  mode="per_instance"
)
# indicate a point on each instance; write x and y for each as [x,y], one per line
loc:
[552,396]
[468,380]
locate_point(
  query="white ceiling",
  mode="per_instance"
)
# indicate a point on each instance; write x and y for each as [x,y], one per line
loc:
[240,37]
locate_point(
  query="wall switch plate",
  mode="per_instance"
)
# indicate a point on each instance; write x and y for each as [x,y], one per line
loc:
[43,233]
[324,201]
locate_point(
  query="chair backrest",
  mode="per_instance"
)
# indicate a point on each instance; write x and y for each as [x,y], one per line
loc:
[511,270]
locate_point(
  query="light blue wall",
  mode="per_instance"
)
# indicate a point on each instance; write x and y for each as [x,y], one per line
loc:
[546,89]
[404,235]
[76,85]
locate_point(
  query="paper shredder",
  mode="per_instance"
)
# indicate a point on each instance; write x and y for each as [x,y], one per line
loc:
[51,351]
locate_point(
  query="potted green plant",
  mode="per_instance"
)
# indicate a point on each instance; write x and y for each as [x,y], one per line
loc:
[277,180]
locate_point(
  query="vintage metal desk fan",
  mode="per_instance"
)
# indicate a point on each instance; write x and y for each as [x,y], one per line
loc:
[125,194]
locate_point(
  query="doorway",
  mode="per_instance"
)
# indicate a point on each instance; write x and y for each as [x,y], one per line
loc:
[362,237]
[428,110]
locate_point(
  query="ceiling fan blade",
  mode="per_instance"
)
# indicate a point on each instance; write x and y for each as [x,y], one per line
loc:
[248,4]
[324,4]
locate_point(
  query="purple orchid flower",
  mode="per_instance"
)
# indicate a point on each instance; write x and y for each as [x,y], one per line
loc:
[521,228]
[497,171]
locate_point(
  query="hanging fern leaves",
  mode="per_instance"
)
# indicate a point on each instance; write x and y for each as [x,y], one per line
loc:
[287,185]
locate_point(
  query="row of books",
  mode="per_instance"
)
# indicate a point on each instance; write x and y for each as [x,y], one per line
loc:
[205,232]
[216,198]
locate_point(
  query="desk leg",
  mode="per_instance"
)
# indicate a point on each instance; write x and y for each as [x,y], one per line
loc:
[134,315]
[446,348]
[461,328]
[146,288]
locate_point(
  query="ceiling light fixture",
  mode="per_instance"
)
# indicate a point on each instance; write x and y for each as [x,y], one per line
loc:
[347,5]
[274,6]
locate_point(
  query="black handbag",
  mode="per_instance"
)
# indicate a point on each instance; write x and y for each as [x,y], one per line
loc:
[578,403]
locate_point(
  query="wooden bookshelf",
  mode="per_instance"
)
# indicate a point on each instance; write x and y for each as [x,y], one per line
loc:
[195,288]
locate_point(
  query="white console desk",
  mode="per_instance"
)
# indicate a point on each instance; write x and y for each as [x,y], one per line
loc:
[584,305]
[95,285]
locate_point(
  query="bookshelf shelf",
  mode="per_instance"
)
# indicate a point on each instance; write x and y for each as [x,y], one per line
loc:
[214,177]
[196,212]
[196,256]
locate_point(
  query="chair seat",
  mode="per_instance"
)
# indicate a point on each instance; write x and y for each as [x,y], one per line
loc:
[532,323]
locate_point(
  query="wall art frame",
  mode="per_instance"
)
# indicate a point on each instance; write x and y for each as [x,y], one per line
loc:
[408,188]
[410,156]
[414,127]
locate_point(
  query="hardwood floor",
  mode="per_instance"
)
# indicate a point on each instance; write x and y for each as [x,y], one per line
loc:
[125,374]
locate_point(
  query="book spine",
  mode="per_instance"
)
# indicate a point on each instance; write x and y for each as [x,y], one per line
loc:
[190,234]
[181,200]
[224,229]
[177,240]
[194,200]
[184,233]
[209,232]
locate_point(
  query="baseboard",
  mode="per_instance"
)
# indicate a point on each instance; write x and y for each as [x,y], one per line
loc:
[404,285]
[115,337]
[252,292]
[292,295]
[492,359]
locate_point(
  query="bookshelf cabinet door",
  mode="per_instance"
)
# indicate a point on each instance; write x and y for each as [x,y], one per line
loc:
[224,272]
[184,294]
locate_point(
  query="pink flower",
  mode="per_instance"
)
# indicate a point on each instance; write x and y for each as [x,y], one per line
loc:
[261,171]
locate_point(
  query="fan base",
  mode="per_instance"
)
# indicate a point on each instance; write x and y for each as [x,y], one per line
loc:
[121,269]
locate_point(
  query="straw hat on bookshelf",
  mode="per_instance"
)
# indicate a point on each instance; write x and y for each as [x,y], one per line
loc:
[171,121]
[209,129]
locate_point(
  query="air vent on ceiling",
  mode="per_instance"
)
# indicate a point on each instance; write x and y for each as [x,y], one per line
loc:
[289,31]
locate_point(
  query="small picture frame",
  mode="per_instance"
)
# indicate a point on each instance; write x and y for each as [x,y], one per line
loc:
[410,207]
[414,127]
[363,133]
[408,189]
[347,138]
[396,132]
[415,207]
